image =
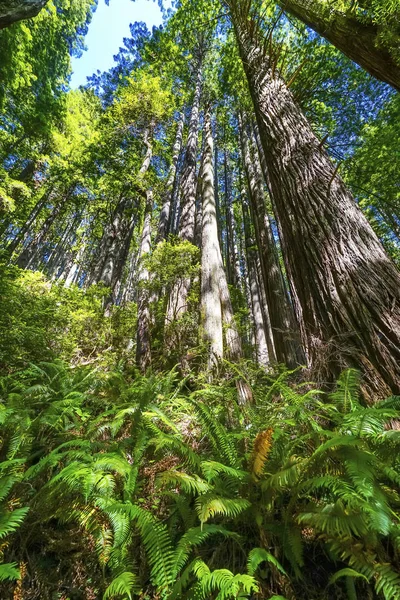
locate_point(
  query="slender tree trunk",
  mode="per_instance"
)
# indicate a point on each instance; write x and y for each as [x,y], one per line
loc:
[211,256]
[188,179]
[269,336]
[358,41]
[165,216]
[275,293]
[347,287]
[216,305]
[55,259]
[72,274]
[233,262]
[32,249]
[177,304]
[262,354]
[16,241]
[115,248]
[295,308]
[143,347]
[12,11]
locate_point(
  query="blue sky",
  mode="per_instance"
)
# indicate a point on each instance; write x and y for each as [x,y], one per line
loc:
[110,24]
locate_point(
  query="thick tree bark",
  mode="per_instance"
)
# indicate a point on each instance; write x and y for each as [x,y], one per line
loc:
[275,293]
[346,286]
[165,214]
[12,11]
[143,346]
[358,41]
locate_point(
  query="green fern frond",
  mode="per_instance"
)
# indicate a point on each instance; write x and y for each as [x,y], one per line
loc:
[346,572]
[387,582]
[193,538]
[216,432]
[286,477]
[213,469]
[9,571]
[209,505]
[226,584]
[336,520]
[10,521]
[292,545]
[368,421]
[6,483]
[177,446]
[345,397]
[122,587]
[156,541]
[191,484]
[257,556]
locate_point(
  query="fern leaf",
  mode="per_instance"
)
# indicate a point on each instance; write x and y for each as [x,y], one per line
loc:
[212,469]
[9,571]
[259,555]
[347,391]
[156,541]
[122,587]
[10,521]
[193,538]
[261,449]
[347,572]
[192,484]
[208,505]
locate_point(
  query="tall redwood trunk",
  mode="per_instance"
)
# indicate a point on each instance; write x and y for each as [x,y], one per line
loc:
[12,11]
[347,287]
[260,333]
[31,251]
[165,213]
[143,347]
[232,254]
[216,305]
[177,304]
[211,313]
[277,301]
[358,41]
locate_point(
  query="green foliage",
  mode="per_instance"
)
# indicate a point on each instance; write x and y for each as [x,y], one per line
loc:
[145,463]
[123,585]
[40,321]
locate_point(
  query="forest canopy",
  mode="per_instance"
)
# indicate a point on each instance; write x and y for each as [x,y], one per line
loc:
[200,304]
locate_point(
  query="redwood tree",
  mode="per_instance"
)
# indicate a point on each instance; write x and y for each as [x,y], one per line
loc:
[346,287]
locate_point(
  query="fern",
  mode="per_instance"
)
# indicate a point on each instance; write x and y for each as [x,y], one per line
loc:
[209,505]
[193,538]
[225,583]
[156,541]
[122,587]
[10,521]
[9,571]
[345,397]
[189,483]
[257,556]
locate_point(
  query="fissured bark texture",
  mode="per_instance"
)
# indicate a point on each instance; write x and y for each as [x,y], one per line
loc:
[346,287]
[16,10]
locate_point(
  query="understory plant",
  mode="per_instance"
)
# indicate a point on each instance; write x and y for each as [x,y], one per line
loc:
[120,487]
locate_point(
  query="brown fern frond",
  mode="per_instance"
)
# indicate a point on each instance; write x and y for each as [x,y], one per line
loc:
[262,447]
